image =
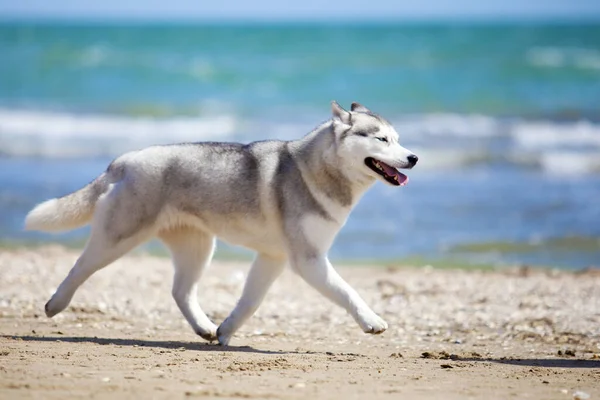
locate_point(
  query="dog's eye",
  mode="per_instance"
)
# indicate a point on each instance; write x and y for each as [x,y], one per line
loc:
[381,139]
[361,134]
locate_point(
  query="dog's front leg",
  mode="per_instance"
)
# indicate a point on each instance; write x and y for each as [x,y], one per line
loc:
[263,273]
[319,273]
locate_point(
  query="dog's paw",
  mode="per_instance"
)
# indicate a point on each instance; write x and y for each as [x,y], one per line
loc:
[223,338]
[54,306]
[374,325]
[223,334]
[207,334]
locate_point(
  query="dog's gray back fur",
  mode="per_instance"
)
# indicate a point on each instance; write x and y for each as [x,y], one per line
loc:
[217,183]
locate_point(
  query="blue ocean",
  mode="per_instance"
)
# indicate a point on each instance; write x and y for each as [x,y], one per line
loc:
[505,119]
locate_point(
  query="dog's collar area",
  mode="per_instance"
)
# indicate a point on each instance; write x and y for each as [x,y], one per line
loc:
[387,172]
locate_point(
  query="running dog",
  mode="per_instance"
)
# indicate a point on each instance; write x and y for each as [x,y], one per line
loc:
[286,200]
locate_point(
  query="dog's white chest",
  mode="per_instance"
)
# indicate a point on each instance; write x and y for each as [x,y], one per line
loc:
[319,232]
[256,234]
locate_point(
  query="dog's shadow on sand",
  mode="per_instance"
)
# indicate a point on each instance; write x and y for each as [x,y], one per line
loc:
[166,344]
[540,362]
[213,347]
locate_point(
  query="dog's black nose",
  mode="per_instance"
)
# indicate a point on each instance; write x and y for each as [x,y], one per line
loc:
[412,160]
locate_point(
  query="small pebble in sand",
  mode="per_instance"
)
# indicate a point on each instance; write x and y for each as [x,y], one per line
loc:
[568,352]
[579,395]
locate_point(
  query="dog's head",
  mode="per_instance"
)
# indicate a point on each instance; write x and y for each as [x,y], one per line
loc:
[369,145]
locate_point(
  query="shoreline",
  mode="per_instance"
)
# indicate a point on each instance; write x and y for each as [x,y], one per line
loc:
[227,253]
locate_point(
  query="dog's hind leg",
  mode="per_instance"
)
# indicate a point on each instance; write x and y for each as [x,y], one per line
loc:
[192,251]
[263,273]
[100,251]
[118,225]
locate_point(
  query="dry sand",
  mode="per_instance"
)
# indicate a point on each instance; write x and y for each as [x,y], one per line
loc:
[453,335]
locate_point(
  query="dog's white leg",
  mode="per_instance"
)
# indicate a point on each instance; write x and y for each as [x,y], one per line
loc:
[114,232]
[319,273]
[263,273]
[192,251]
[99,252]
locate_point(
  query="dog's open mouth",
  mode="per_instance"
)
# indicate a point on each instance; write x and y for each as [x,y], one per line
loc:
[390,174]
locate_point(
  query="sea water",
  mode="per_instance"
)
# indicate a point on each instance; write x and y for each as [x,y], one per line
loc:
[505,119]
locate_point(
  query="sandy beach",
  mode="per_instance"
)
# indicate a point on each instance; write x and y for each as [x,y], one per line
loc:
[454,334]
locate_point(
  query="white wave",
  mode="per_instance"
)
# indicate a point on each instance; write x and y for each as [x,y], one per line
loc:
[549,57]
[450,158]
[555,163]
[542,134]
[566,163]
[442,141]
[557,57]
[588,60]
[556,148]
[449,125]
[56,134]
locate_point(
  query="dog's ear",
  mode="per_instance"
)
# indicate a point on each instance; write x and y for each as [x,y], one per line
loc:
[339,114]
[359,108]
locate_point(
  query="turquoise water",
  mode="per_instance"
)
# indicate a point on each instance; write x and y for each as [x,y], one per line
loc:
[505,119]
[497,70]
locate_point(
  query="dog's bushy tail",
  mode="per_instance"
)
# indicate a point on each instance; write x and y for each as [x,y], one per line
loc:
[67,212]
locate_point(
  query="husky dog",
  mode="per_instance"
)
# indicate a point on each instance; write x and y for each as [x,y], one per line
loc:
[287,200]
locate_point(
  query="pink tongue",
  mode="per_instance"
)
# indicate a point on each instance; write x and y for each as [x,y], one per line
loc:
[402,179]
